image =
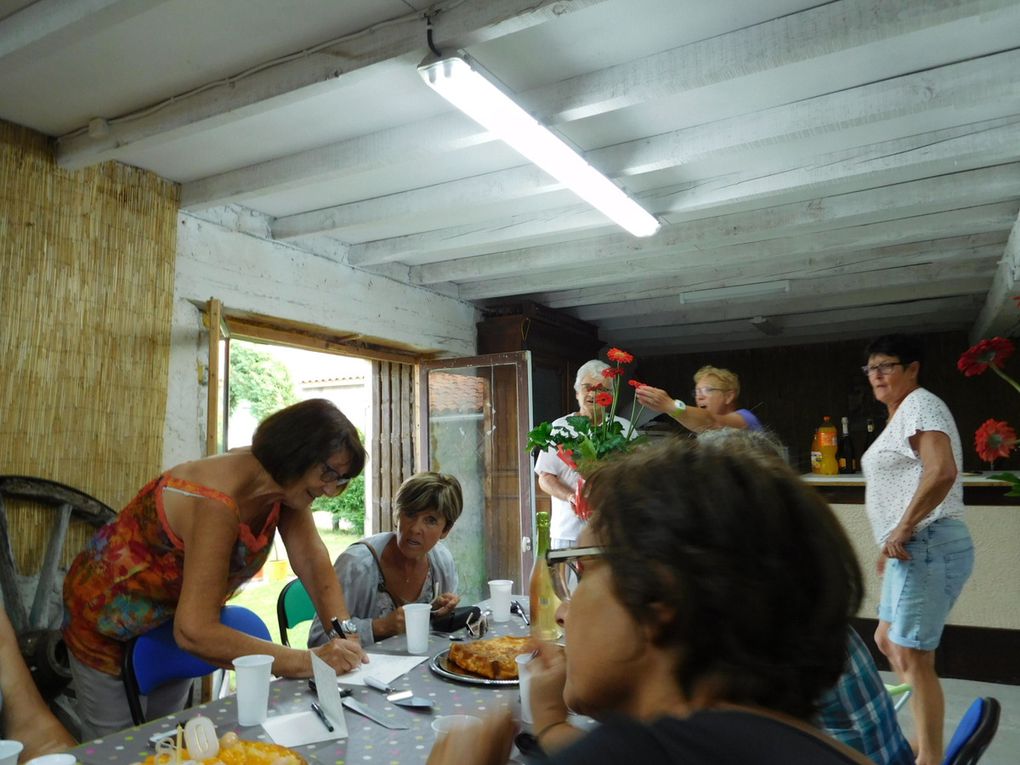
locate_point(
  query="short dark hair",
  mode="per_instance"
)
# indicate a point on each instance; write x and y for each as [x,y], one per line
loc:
[431,491]
[907,348]
[752,566]
[290,441]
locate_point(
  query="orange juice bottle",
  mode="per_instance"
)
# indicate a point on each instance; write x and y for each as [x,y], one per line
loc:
[816,453]
[828,445]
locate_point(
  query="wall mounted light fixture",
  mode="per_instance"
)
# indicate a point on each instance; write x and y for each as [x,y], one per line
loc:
[465,84]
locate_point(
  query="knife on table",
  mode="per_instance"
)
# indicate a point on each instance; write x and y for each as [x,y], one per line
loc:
[365,711]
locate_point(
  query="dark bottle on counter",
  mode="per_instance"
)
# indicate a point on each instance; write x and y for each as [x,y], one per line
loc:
[846,456]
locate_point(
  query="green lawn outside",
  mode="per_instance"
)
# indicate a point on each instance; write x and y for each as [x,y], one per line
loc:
[260,596]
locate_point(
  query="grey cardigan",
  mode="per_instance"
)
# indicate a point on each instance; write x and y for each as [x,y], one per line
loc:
[364,590]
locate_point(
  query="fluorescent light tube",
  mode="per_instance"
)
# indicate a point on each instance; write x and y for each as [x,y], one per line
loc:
[475,92]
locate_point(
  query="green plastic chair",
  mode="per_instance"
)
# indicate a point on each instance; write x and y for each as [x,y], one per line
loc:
[900,693]
[293,606]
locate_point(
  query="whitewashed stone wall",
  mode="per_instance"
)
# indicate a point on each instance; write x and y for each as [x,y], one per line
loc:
[251,273]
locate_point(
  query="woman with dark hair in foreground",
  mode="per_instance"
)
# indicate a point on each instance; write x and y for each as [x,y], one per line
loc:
[711,612]
[189,540]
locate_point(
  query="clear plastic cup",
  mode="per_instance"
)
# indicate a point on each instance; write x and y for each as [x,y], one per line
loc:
[499,599]
[9,751]
[416,625]
[444,724]
[253,674]
[524,683]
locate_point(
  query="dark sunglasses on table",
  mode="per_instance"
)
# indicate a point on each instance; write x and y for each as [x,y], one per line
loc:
[566,567]
[329,475]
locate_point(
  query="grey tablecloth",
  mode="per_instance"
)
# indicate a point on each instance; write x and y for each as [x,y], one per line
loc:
[367,742]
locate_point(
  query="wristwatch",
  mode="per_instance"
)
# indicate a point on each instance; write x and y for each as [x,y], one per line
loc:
[680,406]
[349,627]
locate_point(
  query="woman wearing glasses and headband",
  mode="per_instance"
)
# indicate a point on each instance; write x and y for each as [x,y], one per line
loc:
[381,573]
[914,499]
[712,611]
[715,395]
[189,540]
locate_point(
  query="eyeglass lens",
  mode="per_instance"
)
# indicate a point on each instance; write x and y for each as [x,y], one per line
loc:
[883,369]
[329,475]
[703,391]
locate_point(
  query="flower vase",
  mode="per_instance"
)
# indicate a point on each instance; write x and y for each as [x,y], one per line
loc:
[581,507]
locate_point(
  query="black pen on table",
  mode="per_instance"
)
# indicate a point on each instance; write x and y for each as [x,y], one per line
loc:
[322,716]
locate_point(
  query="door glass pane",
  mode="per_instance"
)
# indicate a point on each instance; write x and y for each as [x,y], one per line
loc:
[474,429]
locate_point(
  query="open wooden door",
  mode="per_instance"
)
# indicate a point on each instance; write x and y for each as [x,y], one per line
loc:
[474,416]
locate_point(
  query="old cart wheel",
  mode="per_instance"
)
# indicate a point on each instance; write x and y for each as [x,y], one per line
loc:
[34,602]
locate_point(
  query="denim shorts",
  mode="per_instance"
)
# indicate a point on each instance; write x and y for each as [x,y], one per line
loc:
[917,594]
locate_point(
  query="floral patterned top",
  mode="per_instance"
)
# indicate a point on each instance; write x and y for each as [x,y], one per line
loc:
[128,578]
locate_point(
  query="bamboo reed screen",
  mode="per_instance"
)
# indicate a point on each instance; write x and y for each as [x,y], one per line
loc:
[86,298]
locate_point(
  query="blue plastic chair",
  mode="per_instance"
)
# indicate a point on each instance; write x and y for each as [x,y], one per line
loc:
[155,658]
[293,606]
[974,733]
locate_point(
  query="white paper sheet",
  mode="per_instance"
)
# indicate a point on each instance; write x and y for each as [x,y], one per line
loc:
[382,666]
[301,728]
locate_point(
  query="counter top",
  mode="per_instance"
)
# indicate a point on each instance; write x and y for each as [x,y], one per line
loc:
[857,479]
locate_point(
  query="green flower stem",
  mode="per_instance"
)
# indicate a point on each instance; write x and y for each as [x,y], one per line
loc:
[1005,377]
[633,416]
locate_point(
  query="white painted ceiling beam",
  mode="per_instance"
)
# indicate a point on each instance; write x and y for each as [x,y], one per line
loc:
[975,220]
[1000,314]
[941,193]
[960,307]
[991,79]
[953,149]
[865,333]
[459,23]
[45,26]
[892,286]
[794,38]
[734,270]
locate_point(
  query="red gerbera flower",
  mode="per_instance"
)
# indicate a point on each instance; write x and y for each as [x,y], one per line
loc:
[615,354]
[604,399]
[994,351]
[635,383]
[994,439]
[610,372]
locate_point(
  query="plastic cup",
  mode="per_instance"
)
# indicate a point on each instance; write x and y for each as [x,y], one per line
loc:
[59,758]
[499,599]
[9,751]
[446,723]
[416,625]
[524,683]
[253,673]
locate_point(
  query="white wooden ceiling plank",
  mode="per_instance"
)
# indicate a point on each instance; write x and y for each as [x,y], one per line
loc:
[789,39]
[872,290]
[1000,314]
[960,307]
[985,219]
[463,22]
[744,270]
[958,148]
[752,339]
[942,193]
[47,25]
[989,80]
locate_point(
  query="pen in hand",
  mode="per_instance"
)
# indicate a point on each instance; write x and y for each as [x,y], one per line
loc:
[322,716]
[335,623]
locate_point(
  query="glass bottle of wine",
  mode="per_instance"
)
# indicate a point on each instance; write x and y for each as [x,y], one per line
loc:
[847,455]
[544,602]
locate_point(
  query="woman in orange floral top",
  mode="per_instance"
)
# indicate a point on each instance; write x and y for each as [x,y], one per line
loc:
[186,543]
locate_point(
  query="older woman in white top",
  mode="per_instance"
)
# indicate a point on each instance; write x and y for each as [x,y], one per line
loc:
[914,499]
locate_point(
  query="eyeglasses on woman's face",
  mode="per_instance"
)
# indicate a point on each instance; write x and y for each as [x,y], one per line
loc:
[705,390]
[882,369]
[566,567]
[330,475]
